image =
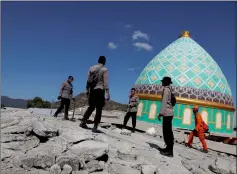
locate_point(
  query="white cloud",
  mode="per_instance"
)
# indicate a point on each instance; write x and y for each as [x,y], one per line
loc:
[131,69]
[144,46]
[128,26]
[138,34]
[112,45]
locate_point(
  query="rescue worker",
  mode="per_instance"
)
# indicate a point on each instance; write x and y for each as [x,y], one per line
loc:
[132,109]
[167,113]
[95,90]
[65,95]
[199,130]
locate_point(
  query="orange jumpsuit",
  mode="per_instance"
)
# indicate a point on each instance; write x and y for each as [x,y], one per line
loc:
[199,132]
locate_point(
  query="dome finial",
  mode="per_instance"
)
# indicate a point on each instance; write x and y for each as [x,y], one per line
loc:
[185,34]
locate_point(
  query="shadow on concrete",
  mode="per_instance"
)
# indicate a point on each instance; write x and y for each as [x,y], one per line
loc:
[120,126]
[155,146]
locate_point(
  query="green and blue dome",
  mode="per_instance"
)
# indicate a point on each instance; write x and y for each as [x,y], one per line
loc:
[189,66]
[197,80]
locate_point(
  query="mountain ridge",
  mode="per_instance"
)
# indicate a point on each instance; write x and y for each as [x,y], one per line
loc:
[15,103]
[81,101]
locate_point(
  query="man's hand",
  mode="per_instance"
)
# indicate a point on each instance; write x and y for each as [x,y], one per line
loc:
[87,93]
[59,97]
[107,95]
[159,117]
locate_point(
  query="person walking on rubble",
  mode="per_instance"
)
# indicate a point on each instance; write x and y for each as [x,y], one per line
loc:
[96,87]
[65,95]
[199,131]
[132,109]
[167,114]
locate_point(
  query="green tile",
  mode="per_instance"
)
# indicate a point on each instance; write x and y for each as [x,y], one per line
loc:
[177,63]
[175,73]
[215,79]
[201,66]
[166,63]
[189,84]
[190,74]
[162,72]
[190,64]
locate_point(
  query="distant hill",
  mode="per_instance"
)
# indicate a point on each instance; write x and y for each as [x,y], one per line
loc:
[81,101]
[15,103]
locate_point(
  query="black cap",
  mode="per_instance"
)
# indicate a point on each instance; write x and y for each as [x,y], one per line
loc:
[167,80]
[102,60]
[70,77]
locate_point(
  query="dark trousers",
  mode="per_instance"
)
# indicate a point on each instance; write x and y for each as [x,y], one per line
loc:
[64,102]
[167,132]
[96,101]
[127,116]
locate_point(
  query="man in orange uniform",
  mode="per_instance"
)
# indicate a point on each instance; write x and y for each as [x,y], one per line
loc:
[198,131]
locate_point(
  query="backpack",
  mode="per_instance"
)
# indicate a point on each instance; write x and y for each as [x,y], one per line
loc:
[93,79]
[173,99]
[205,127]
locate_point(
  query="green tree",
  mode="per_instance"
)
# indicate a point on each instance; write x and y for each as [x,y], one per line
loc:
[38,102]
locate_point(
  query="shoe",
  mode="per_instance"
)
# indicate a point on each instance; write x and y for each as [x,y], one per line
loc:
[204,151]
[95,129]
[83,125]
[162,149]
[66,118]
[188,145]
[55,116]
[167,152]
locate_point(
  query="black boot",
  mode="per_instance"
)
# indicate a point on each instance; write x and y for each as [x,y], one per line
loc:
[133,130]
[162,149]
[204,151]
[187,145]
[83,124]
[55,114]
[167,152]
[95,128]
[66,117]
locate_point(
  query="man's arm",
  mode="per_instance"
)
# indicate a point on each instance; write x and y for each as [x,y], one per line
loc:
[106,84]
[71,95]
[164,102]
[88,75]
[199,122]
[61,89]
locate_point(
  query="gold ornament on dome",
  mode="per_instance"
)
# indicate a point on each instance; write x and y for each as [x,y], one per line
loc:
[185,34]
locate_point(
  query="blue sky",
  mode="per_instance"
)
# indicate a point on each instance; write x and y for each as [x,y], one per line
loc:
[45,42]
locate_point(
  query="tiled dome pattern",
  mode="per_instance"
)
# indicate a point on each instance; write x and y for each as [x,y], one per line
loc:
[189,65]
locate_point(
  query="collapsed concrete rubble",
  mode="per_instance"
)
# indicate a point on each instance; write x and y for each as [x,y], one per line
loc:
[36,144]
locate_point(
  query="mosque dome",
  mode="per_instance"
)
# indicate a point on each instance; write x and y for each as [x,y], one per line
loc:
[194,73]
